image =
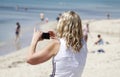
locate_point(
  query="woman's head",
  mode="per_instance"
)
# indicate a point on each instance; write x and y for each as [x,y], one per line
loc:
[70,28]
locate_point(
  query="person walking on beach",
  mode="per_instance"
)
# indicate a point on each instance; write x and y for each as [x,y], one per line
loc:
[42,16]
[68,48]
[86,31]
[17,31]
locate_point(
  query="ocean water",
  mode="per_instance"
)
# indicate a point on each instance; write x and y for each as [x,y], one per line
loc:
[27,13]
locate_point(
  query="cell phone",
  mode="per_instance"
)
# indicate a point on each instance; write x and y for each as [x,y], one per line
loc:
[45,36]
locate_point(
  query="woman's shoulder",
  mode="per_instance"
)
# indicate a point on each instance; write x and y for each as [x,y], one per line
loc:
[54,41]
[54,44]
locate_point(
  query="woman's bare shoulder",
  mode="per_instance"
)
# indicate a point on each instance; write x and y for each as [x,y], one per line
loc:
[55,43]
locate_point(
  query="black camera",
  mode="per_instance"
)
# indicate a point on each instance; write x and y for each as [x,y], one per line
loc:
[45,36]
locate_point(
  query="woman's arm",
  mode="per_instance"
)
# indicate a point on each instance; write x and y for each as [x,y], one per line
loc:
[44,54]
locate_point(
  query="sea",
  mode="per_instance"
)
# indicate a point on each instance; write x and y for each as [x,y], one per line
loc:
[27,13]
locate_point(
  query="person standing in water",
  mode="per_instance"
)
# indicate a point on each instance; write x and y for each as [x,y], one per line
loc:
[17,31]
[42,16]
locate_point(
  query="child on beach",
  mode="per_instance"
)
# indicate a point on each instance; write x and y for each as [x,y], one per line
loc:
[99,41]
[68,48]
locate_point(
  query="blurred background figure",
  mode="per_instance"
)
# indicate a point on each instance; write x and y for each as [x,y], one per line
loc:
[108,15]
[99,41]
[46,20]
[42,16]
[17,31]
[17,7]
[58,17]
[85,32]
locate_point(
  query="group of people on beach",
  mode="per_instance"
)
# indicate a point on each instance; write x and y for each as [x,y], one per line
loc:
[18,26]
[99,40]
[42,17]
[86,31]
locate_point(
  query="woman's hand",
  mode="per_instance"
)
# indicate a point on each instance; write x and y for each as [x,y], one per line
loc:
[37,36]
[52,34]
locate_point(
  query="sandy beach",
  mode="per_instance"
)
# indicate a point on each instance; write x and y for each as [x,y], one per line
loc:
[105,64]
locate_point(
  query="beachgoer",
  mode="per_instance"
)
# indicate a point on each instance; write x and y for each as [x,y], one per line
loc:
[86,31]
[25,8]
[108,16]
[46,20]
[58,17]
[42,16]
[99,41]
[17,7]
[17,31]
[68,48]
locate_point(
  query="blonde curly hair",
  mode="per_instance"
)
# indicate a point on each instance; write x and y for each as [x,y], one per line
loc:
[70,28]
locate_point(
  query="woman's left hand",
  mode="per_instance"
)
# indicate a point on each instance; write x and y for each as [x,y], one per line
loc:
[52,34]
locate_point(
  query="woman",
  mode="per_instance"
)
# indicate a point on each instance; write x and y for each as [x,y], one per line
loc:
[69,51]
[17,31]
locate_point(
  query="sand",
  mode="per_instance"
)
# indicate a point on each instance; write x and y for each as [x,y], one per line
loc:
[98,64]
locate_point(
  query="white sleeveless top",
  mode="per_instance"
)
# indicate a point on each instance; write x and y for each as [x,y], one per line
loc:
[68,63]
